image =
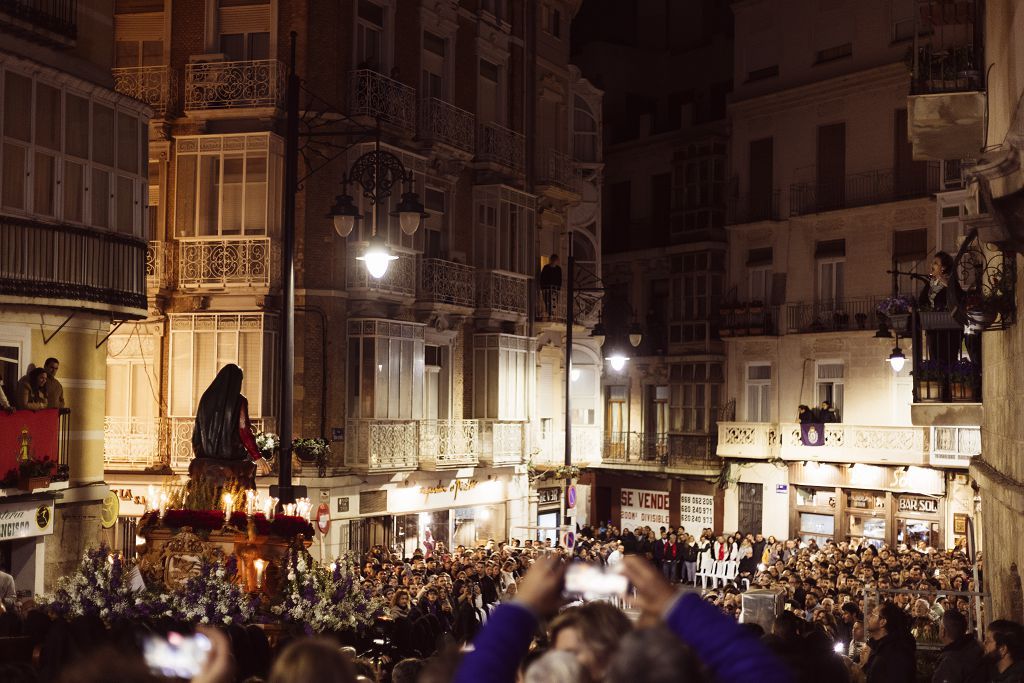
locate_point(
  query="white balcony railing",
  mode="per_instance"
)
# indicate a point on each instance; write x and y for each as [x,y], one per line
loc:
[373,445]
[134,443]
[445,123]
[446,282]
[844,443]
[224,262]
[257,83]
[500,145]
[375,95]
[502,442]
[400,280]
[954,446]
[502,292]
[159,266]
[154,85]
[448,443]
[179,432]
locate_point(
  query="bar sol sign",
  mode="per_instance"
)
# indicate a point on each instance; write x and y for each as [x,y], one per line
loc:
[912,504]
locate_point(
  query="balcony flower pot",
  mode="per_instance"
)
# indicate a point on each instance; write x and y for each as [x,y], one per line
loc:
[981,318]
[937,320]
[841,320]
[725,332]
[862,321]
[929,391]
[32,483]
[756,307]
[961,392]
[899,322]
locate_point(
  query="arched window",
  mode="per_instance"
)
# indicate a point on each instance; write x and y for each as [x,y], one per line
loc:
[585,131]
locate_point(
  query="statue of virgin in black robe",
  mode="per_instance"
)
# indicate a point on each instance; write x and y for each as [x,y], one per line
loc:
[216,430]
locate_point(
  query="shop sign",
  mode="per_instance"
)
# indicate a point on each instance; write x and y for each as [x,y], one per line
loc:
[911,504]
[643,508]
[697,511]
[548,496]
[455,487]
[24,520]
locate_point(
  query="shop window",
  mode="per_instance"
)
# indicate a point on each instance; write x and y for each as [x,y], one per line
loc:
[820,528]
[871,529]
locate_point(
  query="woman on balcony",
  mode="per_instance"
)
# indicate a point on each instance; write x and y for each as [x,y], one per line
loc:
[31,393]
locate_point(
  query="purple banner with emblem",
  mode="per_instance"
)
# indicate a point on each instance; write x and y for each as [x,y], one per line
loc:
[812,433]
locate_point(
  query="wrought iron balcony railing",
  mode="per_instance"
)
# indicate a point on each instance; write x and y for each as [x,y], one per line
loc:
[159,266]
[56,16]
[744,320]
[250,84]
[375,95]
[502,442]
[587,308]
[448,443]
[135,443]
[863,189]
[64,262]
[498,144]
[154,85]
[833,315]
[561,171]
[373,445]
[446,282]
[751,208]
[399,280]
[225,262]
[675,451]
[502,292]
[946,70]
[692,451]
[445,123]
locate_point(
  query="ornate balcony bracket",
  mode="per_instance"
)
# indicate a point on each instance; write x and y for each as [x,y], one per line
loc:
[988,280]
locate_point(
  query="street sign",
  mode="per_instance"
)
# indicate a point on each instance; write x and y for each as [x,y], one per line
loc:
[570,540]
[570,496]
[323,518]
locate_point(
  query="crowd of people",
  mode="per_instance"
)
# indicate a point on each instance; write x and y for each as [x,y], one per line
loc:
[500,612]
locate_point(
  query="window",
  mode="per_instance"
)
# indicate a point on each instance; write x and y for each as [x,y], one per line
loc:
[504,235]
[490,102]
[694,287]
[700,189]
[831,168]
[829,384]
[434,74]
[551,21]
[695,396]
[910,253]
[435,226]
[386,369]
[227,185]
[951,225]
[202,344]
[494,7]
[661,201]
[245,27]
[370,36]
[129,53]
[830,282]
[584,389]
[134,369]
[759,385]
[585,140]
[504,371]
[437,382]
[616,415]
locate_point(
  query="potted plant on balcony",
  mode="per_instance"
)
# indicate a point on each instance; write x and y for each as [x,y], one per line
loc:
[862,321]
[964,378]
[930,376]
[896,310]
[314,451]
[268,443]
[30,474]
[756,306]
[981,310]
[840,320]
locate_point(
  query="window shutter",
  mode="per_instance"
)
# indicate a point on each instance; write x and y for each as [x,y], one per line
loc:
[910,245]
[759,257]
[139,27]
[830,249]
[252,19]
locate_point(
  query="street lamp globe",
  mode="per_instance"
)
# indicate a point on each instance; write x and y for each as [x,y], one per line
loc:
[344,214]
[635,335]
[896,359]
[377,258]
[410,212]
[617,361]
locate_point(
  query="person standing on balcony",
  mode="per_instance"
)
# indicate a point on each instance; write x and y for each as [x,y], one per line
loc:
[54,389]
[223,430]
[551,283]
[5,405]
[31,393]
[827,414]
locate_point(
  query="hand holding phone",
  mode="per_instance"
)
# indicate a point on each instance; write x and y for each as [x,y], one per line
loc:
[177,655]
[593,581]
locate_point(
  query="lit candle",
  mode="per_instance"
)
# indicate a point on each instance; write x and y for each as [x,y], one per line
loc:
[260,565]
[250,502]
[271,508]
[289,509]
[227,506]
[151,498]
[302,507]
[163,503]
[334,567]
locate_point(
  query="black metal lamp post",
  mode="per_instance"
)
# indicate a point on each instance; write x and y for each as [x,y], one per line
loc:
[376,173]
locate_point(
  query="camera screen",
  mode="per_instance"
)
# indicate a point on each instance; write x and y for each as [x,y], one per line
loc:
[177,656]
[589,580]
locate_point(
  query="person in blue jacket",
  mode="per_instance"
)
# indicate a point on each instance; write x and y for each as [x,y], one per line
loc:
[730,652]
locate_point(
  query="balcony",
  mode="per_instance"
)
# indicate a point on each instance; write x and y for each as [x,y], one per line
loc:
[502,443]
[499,145]
[373,445]
[954,446]
[844,443]
[560,175]
[225,263]
[746,320]
[446,282]
[154,85]
[50,439]
[587,309]
[446,124]
[71,266]
[448,444]
[39,17]
[502,292]
[752,208]
[837,315]
[135,443]
[381,98]
[178,432]
[251,84]
[652,450]
[159,267]
[863,189]
[398,281]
